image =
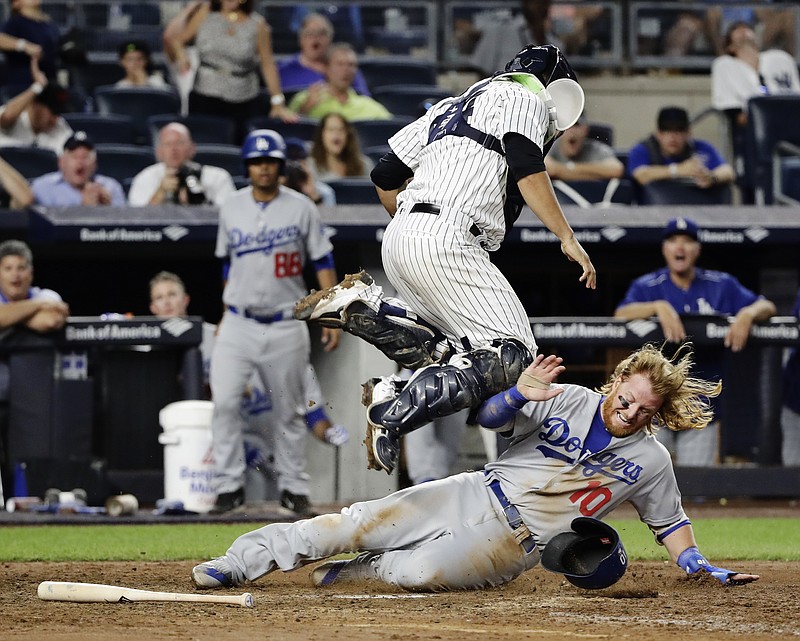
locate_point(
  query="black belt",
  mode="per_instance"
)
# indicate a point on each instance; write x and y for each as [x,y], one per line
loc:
[521,532]
[428,208]
[273,318]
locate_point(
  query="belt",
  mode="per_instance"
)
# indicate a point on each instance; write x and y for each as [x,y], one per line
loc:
[428,208]
[521,532]
[273,318]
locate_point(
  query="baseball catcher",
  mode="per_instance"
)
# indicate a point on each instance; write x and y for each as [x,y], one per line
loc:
[454,182]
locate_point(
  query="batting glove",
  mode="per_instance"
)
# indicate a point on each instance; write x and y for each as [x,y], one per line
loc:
[692,562]
[336,435]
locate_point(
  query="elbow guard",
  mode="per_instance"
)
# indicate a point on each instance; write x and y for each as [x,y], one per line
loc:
[390,173]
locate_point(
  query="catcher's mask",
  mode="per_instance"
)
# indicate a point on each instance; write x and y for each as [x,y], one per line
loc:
[591,556]
[544,70]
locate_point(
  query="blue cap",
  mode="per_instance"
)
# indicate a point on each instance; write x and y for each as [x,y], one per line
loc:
[685,226]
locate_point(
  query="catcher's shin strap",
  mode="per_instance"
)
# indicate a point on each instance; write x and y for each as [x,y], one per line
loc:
[428,208]
[521,532]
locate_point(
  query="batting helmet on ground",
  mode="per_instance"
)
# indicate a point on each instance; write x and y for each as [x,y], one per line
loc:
[264,143]
[591,556]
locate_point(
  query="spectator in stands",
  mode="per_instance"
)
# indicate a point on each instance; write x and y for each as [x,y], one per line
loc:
[336,93]
[336,150]
[790,413]
[30,35]
[233,43]
[134,58]
[182,72]
[15,192]
[574,156]
[176,178]
[499,42]
[744,72]
[300,177]
[76,182]
[683,288]
[671,153]
[308,67]
[33,117]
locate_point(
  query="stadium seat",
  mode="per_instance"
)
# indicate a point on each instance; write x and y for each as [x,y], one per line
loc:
[103,128]
[372,133]
[205,129]
[377,152]
[771,119]
[678,192]
[229,157]
[303,129]
[123,161]
[109,40]
[594,192]
[96,73]
[354,191]
[602,132]
[407,100]
[31,162]
[388,71]
[138,103]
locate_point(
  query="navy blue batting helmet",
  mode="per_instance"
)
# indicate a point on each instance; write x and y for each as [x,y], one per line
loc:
[546,62]
[264,143]
[591,556]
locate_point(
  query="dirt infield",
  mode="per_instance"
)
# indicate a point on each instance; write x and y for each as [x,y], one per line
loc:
[653,601]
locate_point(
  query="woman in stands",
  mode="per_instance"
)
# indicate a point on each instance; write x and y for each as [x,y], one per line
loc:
[28,33]
[234,45]
[134,58]
[336,150]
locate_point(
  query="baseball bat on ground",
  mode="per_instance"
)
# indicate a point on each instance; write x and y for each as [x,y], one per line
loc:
[97,593]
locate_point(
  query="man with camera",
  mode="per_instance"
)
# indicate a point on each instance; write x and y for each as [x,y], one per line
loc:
[176,178]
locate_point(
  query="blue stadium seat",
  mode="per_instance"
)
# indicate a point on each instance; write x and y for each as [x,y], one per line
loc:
[407,100]
[602,132]
[229,157]
[139,103]
[388,71]
[354,191]
[304,128]
[96,73]
[123,161]
[372,133]
[31,162]
[205,129]
[103,128]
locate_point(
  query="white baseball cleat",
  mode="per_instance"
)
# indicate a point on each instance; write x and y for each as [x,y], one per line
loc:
[383,445]
[328,307]
[361,568]
[216,573]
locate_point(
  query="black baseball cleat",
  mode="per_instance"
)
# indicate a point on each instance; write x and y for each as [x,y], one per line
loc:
[297,503]
[228,501]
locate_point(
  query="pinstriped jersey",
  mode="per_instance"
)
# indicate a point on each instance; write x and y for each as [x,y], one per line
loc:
[563,463]
[267,245]
[457,172]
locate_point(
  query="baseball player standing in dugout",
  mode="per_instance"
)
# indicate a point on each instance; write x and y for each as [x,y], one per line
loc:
[468,163]
[575,455]
[267,233]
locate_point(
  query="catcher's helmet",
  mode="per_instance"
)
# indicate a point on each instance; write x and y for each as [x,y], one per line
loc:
[546,62]
[591,556]
[264,143]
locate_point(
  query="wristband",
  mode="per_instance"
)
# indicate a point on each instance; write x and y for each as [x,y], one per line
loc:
[37,88]
[673,170]
[277,99]
[20,44]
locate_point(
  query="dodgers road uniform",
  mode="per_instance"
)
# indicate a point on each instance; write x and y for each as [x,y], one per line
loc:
[479,529]
[267,245]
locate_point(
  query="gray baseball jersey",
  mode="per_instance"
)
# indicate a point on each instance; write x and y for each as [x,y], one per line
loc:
[267,245]
[453,533]
[439,262]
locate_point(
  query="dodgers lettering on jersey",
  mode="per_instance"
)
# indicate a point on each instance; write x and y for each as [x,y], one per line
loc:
[561,450]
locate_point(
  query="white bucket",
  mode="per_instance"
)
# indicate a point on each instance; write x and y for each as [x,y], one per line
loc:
[188,462]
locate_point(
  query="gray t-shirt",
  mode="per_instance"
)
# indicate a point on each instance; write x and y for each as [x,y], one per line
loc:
[591,151]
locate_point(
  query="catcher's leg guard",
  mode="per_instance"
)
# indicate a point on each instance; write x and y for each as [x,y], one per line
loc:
[357,306]
[464,382]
